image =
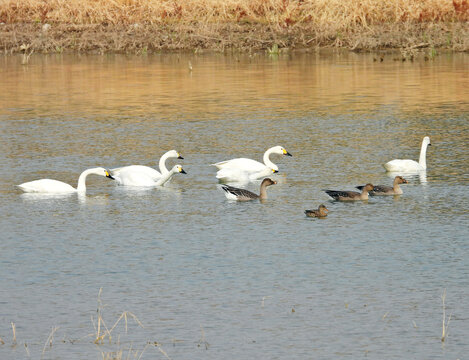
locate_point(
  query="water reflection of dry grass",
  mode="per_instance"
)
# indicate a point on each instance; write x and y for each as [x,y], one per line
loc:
[146,25]
[156,88]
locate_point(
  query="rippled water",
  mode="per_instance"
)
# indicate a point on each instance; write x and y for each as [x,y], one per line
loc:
[210,278]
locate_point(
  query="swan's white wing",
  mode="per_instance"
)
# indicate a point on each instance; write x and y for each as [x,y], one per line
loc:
[47,186]
[243,164]
[135,178]
[402,165]
[241,176]
[138,169]
[229,174]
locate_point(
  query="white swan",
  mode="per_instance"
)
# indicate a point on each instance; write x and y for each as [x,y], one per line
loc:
[143,178]
[126,171]
[410,165]
[58,187]
[241,169]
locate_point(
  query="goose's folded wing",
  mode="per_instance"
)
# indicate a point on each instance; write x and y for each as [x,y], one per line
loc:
[381,188]
[239,192]
[338,193]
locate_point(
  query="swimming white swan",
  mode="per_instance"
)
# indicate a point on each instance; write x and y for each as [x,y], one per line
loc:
[126,171]
[410,165]
[143,178]
[240,169]
[59,187]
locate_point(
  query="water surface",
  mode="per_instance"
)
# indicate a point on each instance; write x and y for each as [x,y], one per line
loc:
[209,278]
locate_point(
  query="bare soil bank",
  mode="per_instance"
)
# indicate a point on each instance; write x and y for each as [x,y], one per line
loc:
[137,38]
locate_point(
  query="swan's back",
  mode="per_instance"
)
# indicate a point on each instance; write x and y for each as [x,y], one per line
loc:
[46,186]
[244,164]
[136,169]
[402,165]
[241,176]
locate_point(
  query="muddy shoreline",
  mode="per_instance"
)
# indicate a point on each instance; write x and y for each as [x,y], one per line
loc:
[142,38]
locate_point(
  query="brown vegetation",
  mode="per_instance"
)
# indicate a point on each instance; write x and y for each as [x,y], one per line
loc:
[133,25]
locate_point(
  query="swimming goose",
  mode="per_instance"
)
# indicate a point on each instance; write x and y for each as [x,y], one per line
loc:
[240,169]
[319,213]
[127,171]
[234,193]
[137,178]
[387,190]
[410,165]
[350,195]
[58,187]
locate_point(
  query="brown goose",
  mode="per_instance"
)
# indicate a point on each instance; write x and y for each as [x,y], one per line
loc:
[395,189]
[234,193]
[319,213]
[350,195]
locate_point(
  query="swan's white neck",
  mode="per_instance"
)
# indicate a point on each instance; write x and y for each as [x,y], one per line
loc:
[423,155]
[165,177]
[81,187]
[162,163]
[267,161]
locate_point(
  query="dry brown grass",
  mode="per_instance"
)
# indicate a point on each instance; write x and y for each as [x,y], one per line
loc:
[282,13]
[149,25]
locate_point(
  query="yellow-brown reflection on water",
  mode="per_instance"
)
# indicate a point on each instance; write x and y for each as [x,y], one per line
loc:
[136,87]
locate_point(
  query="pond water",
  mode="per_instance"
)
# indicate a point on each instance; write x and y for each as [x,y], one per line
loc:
[210,278]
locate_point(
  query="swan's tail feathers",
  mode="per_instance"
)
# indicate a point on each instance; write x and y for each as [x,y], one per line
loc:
[22,187]
[115,172]
[219,165]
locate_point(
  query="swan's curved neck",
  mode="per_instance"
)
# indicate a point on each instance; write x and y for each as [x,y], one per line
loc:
[423,155]
[162,163]
[267,161]
[165,177]
[81,187]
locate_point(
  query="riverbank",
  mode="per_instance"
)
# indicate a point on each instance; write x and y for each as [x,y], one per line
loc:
[137,26]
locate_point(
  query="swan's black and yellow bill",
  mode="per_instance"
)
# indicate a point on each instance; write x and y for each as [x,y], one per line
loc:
[182,171]
[180,157]
[108,175]
[274,171]
[285,152]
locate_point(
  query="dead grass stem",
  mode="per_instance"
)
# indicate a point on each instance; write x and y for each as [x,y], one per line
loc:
[444,331]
